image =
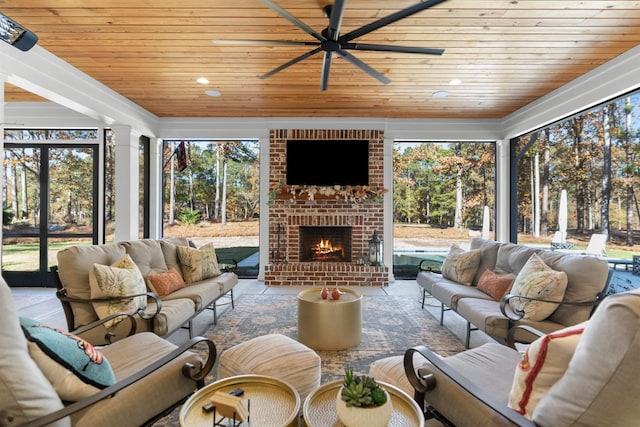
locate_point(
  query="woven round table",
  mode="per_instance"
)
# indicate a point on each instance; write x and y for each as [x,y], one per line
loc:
[272,402]
[319,409]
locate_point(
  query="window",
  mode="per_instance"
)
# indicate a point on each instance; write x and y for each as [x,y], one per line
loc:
[593,157]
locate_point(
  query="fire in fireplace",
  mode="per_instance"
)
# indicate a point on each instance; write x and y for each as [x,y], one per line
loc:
[325,244]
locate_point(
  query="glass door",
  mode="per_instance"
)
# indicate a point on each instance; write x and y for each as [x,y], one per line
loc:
[50,203]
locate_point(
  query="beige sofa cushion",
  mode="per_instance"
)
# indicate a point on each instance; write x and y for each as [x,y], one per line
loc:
[586,277]
[25,393]
[147,254]
[495,379]
[488,255]
[604,368]
[136,404]
[170,252]
[512,257]
[74,265]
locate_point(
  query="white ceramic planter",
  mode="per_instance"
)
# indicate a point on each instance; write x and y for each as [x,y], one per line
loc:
[363,417]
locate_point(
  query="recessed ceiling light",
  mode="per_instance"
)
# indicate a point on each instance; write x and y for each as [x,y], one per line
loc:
[440,94]
[203,80]
[212,92]
[455,82]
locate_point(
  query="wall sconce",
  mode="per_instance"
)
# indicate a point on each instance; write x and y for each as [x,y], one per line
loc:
[15,34]
[375,250]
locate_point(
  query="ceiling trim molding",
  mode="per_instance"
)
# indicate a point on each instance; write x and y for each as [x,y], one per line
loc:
[609,80]
[42,73]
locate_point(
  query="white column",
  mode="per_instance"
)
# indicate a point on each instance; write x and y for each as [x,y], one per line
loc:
[155,188]
[502,190]
[388,207]
[264,205]
[127,177]
[3,80]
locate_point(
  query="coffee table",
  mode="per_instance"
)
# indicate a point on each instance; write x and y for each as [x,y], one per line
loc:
[327,324]
[319,409]
[273,402]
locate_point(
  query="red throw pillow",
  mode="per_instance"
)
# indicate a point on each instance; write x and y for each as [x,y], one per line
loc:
[495,285]
[165,283]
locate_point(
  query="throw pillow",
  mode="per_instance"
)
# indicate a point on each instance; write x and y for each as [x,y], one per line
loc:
[542,364]
[460,265]
[165,283]
[198,264]
[495,285]
[75,368]
[121,279]
[538,280]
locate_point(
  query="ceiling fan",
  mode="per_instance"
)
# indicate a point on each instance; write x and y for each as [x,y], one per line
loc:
[330,41]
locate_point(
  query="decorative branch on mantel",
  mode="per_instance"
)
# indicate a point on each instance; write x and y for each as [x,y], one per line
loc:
[355,193]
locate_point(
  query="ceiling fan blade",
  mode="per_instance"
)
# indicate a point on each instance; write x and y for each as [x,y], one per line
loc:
[387,48]
[263,42]
[335,20]
[326,66]
[364,67]
[388,20]
[292,62]
[295,21]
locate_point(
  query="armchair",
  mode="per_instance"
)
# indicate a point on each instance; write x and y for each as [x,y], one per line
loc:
[597,384]
[152,377]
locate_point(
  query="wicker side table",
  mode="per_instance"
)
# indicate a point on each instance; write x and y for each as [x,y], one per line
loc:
[273,402]
[319,409]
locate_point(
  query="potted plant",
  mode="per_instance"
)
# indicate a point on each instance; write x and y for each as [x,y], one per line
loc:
[361,402]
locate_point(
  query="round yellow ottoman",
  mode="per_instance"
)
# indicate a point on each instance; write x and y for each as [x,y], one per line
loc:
[275,355]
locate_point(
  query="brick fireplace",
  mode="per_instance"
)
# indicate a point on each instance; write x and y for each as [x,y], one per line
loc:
[300,219]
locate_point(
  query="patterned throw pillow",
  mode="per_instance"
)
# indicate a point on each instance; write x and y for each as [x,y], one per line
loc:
[75,368]
[165,283]
[460,265]
[198,264]
[538,280]
[542,364]
[495,285]
[121,279]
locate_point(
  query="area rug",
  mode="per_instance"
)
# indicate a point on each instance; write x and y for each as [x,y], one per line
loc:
[391,324]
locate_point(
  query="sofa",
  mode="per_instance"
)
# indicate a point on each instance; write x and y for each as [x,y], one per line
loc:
[164,282]
[491,310]
[49,377]
[582,375]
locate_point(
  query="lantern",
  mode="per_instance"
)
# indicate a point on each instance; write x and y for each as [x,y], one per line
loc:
[375,250]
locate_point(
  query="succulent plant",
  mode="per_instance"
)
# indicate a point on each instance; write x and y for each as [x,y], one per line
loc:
[362,391]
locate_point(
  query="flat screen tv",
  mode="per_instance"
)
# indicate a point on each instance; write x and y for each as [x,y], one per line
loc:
[327,162]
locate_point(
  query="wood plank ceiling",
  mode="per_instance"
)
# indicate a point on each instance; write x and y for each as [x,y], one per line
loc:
[506,53]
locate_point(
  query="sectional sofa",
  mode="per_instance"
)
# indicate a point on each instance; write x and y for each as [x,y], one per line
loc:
[587,279]
[170,283]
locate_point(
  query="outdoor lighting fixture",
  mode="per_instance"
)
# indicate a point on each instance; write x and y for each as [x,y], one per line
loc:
[15,34]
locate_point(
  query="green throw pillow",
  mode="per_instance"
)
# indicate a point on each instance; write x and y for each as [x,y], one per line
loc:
[75,368]
[198,264]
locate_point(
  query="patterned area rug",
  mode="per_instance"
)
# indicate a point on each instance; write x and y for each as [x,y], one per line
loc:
[391,324]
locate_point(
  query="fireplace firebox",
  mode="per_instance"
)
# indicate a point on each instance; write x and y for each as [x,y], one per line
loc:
[325,244]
